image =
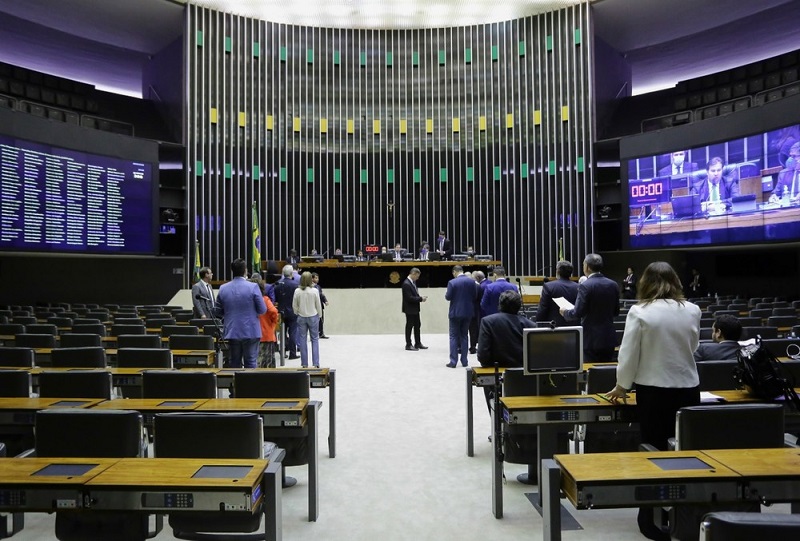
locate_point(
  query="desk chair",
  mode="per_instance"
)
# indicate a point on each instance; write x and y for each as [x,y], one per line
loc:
[192,342]
[42,328]
[88,328]
[727,312]
[183,317]
[739,307]
[158,322]
[278,384]
[75,384]
[748,321]
[169,330]
[88,357]
[201,324]
[607,437]
[27,340]
[780,321]
[60,321]
[213,435]
[705,333]
[762,313]
[24,320]
[86,321]
[764,332]
[138,341]
[730,426]
[102,434]
[784,311]
[154,357]
[178,384]
[80,340]
[15,383]
[12,329]
[118,329]
[128,319]
[729,526]
[717,375]
[17,357]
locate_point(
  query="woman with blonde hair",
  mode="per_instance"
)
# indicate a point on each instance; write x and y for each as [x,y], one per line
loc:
[307,306]
[662,332]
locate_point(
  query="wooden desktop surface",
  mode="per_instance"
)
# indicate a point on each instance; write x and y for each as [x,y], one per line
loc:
[152,404]
[783,461]
[335,264]
[515,403]
[42,403]
[255,404]
[21,470]
[721,221]
[175,473]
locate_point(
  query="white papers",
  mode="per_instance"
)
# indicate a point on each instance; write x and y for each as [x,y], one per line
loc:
[563,303]
[706,397]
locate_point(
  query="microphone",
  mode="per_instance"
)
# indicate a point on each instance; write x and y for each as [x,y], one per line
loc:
[548,267]
[200,297]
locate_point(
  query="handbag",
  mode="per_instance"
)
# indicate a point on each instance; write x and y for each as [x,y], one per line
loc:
[761,374]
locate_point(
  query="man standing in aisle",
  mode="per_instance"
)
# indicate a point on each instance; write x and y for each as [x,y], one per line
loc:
[461,292]
[475,322]
[595,307]
[323,299]
[240,302]
[411,302]
[202,288]
[284,294]
[563,287]
[491,295]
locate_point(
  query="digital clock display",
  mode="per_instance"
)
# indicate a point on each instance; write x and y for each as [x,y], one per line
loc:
[648,192]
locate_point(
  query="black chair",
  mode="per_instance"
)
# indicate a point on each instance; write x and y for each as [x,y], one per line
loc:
[278,384]
[761,313]
[15,383]
[75,384]
[36,341]
[89,357]
[80,340]
[764,305]
[69,432]
[60,322]
[87,321]
[89,328]
[779,321]
[717,375]
[144,358]
[183,317]
[739,307]
[41,328]
[218,435]
[128,320]
[117,329]
[188,330]
[784,311]
[24,320]
[178,384]
[607,437]
[727,312]
[191,342]
[138,341]
[16,356]
[11,329]
[732,526]
[705,333]
[750,321]
[763,332]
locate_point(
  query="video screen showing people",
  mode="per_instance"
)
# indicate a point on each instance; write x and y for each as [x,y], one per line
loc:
[738,191]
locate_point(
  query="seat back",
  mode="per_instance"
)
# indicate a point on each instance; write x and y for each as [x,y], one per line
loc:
[188,330]
[179,384]
[75,384]
[118,329]
[138,341]
[191,342]
[763,332]
[730,525]
[17,356]
[86,357]
[208,435]
[784,311]
[89,328]
[601,379]
[779,321]
[60,321]
[717,375]
[730,426]
[128,319]
[158,322]
[27,340]
[69,432]
[15,383]
[762,313]
[80,340]
[144,358]
[269,384]
[41,328]
[24,320]
[11,329]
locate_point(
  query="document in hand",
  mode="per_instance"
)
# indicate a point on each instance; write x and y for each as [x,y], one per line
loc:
[563,303]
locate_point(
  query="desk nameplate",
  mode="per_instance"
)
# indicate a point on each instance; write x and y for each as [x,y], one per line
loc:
[279,412]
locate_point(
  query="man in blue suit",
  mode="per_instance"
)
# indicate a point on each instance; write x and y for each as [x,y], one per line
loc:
[595,307]
[563,287]
[461,292]
[491,295]
[240,302]
[284,294]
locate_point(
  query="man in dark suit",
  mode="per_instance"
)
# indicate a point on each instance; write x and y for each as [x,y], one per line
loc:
[461,292]
[595,307]
[203,305]
[240,302]
[284,294]
[789,178]
[678,165]
[411,301]
[500,339]
[443,246]
[714,192]
[293,259]
[725,333]
[563,287]
[491,295]
[397,253]
[475,322]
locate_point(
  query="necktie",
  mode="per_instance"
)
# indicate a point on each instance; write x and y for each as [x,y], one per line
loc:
[680,169]
[794,185]
[441,245]
[210,292]
[715,192]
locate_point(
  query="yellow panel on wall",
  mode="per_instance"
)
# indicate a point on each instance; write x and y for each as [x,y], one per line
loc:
[537,117]
[270,122]
[242,119]
[456,124]
[429,125]
[404,126]
[482,123]
[213,115]
[296,123]
[351,126]
[509,120]
[323,125]
[376,126]
[564,113]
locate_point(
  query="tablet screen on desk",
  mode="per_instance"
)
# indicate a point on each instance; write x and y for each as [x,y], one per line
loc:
[65,470]
[176,403]
[222,472]
[69,403]
[279,404]
[583,400]
[682,463]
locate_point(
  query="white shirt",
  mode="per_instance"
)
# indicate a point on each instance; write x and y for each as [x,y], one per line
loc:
[305,302]
[658,345]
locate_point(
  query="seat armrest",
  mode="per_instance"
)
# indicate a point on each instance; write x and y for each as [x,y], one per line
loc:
[27,453]
[646,447]
[672,444]
[790,440]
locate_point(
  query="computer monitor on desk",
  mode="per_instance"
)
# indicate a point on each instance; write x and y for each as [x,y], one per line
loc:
[552,351]
[686,206]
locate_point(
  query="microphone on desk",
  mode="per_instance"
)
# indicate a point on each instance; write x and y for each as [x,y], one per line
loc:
[519,285]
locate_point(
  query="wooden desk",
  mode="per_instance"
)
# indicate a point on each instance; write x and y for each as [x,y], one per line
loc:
[718,221]
[773,474]
[477,376]
[7,340]
[194,357]
[148,407]
[22,411]
[282,417]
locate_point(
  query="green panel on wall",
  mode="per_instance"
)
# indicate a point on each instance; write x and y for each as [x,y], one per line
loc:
[310,56]
[389,58]
[579,166]
[199,38]
[362,58]
[495,52]
[417,176]
[310,175]
[256,172]
[283,54]
[337,176]
[552,167]
[470,174]
[442,57]
[337,56]
[390,176]
[549,43]
[577,36]
[256,49]
[496,172]
[283,175]
[364,176]
[522,48]
[443,174]
[198,168]
[467,56]
[228,170]
[523,170]
[415,58]
[228,44]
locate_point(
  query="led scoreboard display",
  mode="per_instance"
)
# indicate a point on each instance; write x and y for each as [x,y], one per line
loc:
[648,192]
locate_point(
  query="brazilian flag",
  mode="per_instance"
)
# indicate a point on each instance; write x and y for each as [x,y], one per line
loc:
[561,249]
[197,263]
[256,241]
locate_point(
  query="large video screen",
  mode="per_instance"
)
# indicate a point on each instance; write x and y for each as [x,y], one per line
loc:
[740,190]
[60,200]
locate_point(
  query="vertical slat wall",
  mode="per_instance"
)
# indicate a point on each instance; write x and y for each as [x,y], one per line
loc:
[346,137]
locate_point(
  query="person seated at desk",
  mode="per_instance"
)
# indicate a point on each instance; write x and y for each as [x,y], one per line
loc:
[789,179]
[678,165]
[715,193]
[360,256]
[397,253]
[424,252]
[725,333]
[338,251]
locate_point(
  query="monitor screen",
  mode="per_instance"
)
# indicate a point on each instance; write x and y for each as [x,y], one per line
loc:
[739,190]
[558,350]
